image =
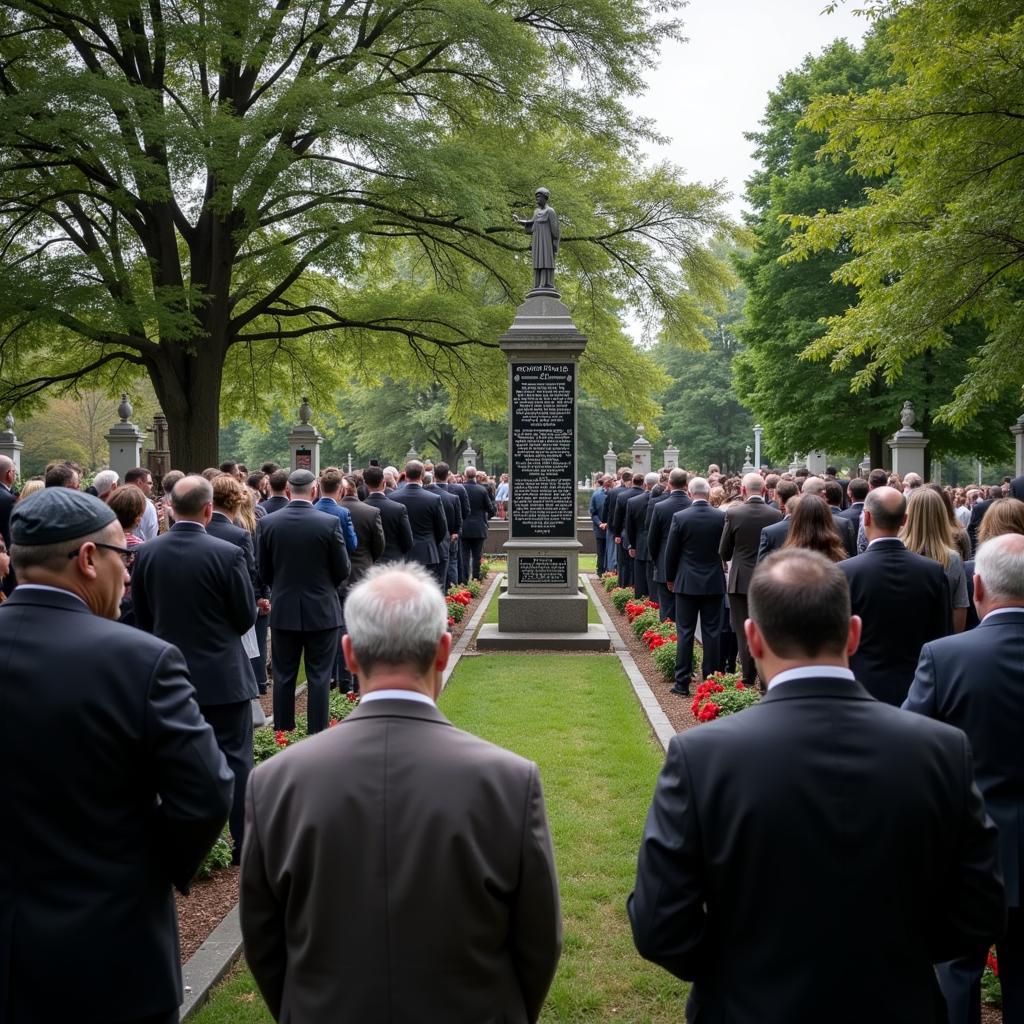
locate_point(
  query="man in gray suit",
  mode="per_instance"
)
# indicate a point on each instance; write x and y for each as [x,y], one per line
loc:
[449,908]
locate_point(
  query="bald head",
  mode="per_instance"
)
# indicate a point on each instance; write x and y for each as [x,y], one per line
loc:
[677,479]
[813,485]
[753,484]
[191,497]
[6,471]
[885,511]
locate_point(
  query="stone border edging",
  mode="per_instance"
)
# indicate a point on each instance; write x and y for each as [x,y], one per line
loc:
[217,955]
[660,724]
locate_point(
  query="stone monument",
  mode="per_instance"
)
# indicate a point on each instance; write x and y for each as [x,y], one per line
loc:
[10,445]
[158,458]
[1018,444]
[304,441]
[671,455]
[544,606]
[468,455]
[611,460]
[641,452]
[908,445]
[816,463]
[125,440]
[748,466]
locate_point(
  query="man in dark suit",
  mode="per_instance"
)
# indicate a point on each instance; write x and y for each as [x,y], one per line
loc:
[694,570]
[902,599]
[973,681]
[978,510]
[426,517]
[459,555]
[448,569]
[1017,488]
[474,528]
[194,591]
[617,524]
[596,510]
[773,537]
[7,502]
[876,478]
[302,556]
[113,786]
[624,481]
[819,820]
[741,537]
[403,774]
[277,481]
[394,518]
[635,532]
[857,491]
[657,537]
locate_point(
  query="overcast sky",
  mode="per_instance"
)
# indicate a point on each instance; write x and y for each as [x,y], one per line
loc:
[708,91]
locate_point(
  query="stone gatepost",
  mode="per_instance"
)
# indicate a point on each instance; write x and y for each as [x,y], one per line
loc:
[10,445]
[908,445]
[544,606]
[816,462]
[125,441]
[1018,443]
[797,463]
[671,456]
[641,452]
[748,466]
[611,460]
[758,431]
[304,442]
[468,455]
[865,465]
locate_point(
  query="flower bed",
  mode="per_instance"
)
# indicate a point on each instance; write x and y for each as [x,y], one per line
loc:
[720,695]
[266,741]
[991,990]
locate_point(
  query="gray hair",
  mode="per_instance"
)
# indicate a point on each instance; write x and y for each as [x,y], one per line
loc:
[428,478]
[396,615]
[699,487]
[1000,564]
[813,485]
[104,481]
[651,479]
[754,483]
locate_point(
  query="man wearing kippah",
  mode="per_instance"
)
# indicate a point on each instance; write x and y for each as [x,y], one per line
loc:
[112,785]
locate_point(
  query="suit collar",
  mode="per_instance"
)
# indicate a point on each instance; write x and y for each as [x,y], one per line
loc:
[220,515]
[818,686]
[49,597]
[754,499]
[187,526]
[1006,616]
[398,709]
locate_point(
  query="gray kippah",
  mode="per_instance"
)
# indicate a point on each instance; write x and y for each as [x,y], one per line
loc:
[57,514]
[301,478]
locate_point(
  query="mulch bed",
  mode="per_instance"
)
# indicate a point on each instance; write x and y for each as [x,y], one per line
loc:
[204,908]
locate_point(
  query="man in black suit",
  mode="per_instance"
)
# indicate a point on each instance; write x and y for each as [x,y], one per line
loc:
[978,510]
[741,537]
[876,478]
[635,532]
[774,536]
[302,556]
[657,537]
[426,517]
[7,502]
[394,518]
[113,786]
[613,556]
[194,591]
[901,597]
[617,524]
[448,569]
[817,820]
[694,570]
[277,481]
[474,527]
[460,554]
[973,681]
[857,491]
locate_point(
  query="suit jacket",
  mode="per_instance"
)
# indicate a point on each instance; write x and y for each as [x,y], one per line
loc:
[366,521]
[658,529]
[846,529]
[610,501]
[854,513]
[471,935]
[428,521]
[481,509]
[692,560]
[460,492]
[741,537]
[904,602]
[113,791]
[822,821]
[635,527]
[302,556]
[7,503]
[195,591]
[973,681]
[275,503]
[618,524]
[223,529]
[332,508]
[978,510]
[1017,488]
[394,519]
[772,538]
[452,507]
[596,509]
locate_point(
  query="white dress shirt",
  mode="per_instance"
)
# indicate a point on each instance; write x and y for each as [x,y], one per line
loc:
[396,695]
[811,672]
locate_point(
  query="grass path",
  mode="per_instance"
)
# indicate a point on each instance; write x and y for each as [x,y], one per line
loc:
[577,718]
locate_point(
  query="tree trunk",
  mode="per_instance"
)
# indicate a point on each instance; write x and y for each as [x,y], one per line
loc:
[876,448]
[188,389]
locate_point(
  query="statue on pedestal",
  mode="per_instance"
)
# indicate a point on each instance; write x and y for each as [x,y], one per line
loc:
[543,225]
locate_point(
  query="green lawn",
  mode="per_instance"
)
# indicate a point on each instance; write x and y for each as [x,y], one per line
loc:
[491,615]
[577,718]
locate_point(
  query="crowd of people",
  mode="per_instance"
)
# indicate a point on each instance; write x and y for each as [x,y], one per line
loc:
[829,818]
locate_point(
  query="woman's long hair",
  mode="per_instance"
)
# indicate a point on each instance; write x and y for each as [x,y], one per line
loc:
[811,527]
[927,531]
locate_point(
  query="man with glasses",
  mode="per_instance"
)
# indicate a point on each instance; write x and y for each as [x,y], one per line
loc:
[113,787]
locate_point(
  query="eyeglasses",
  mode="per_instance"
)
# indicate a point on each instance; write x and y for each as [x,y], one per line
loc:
[126,553]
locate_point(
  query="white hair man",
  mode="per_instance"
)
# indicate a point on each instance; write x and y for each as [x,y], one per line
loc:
[972,680]
[105,483]
[389,794]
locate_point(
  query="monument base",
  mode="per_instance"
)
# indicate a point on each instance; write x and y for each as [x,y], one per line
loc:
[491,638]
[542,613]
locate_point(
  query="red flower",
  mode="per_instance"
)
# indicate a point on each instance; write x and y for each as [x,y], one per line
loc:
[281,738]
[740,686]
[333,722]
[992,963]
[708,712]
[451,621]
[352,697]
[656,642]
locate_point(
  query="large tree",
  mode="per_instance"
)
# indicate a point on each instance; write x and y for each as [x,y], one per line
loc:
[241,198]
[940,241]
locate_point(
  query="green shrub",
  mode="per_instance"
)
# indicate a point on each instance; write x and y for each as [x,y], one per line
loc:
[217,859]
[665,659]
[456,610]
[650,619]
[610,580]
[474,587]
[619,596]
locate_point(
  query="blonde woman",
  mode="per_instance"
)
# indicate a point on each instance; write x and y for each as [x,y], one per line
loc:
[927,532]
[30,487]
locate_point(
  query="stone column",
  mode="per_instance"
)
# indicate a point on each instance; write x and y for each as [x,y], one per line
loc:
[544,606]
[10,445]
[304,441]
[641,452]
[158,458]
[125,440]
[468,455]
[816,462]
[865,465]
[671,456]
[1018,443]
[758,431]
[611,460]
[796,463]
[412,455]
[907,445]
[748,466]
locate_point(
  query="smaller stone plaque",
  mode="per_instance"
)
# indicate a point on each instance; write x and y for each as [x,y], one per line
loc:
[543,570]
[303,458]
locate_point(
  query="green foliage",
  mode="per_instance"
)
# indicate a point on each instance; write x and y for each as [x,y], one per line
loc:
[266,741]
[936,246]
[991,989]
[665,658]
[619,596]
[649,619]
[456,611]
[610,581]
[217,859]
